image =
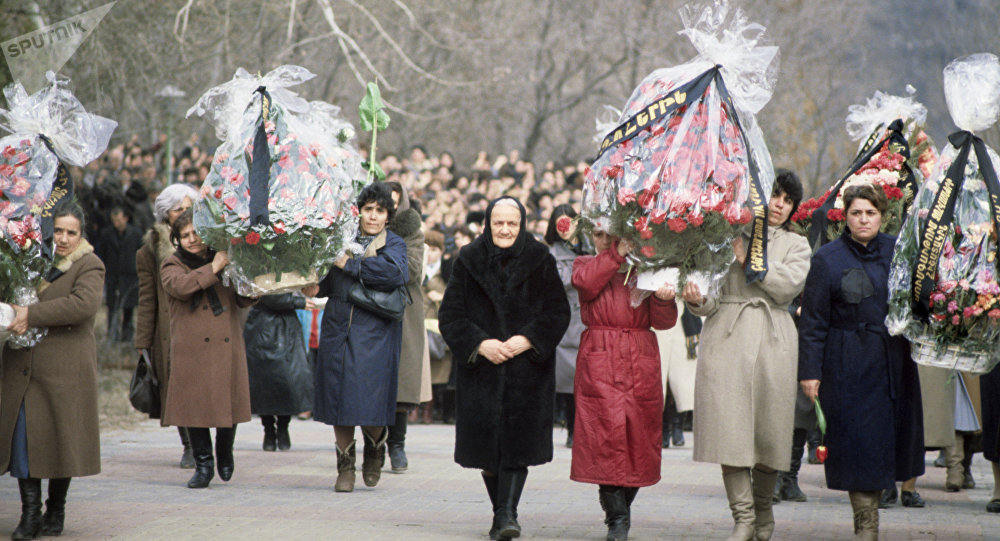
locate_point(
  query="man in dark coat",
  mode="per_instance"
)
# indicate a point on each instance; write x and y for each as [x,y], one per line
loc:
[505,290]
[117,247]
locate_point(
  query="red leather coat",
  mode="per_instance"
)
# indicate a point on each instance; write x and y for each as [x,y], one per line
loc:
[618,388]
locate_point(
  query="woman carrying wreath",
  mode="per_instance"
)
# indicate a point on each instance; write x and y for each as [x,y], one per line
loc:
[744,398]
[356,370]
[618,391]
[502,315]
[863,377]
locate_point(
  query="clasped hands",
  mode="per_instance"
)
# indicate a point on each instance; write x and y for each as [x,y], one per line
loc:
[20,323]
[498,352]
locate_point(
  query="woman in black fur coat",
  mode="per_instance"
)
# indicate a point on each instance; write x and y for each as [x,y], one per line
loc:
[503,314]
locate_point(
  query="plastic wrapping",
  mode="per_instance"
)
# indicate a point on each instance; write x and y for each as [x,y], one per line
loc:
[22,296]
[882,108]
[679,188]
[972,91]
[943,276]
[313,180]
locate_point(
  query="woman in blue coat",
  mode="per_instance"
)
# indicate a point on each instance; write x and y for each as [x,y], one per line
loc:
[863,377]
[356,371]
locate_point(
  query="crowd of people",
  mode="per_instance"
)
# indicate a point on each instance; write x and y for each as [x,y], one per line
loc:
[481,299]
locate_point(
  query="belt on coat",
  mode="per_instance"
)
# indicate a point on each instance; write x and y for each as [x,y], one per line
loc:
[617,329]
[883,332]
[745,302]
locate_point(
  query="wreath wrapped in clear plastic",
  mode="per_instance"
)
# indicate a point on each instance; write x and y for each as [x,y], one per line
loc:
[281,191]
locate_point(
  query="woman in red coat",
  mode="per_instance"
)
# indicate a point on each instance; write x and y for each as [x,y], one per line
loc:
[618,390]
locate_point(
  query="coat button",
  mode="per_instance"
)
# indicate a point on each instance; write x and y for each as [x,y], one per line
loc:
[227,339]
[206,339]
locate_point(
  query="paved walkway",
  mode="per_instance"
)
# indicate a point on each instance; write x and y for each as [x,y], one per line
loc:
[141,496]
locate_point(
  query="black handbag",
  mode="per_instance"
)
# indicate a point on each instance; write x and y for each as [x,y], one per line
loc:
[385,304]
[436,346]
[144,389]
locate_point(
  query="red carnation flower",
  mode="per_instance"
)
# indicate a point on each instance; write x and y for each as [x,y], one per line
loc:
[235,240]
[230,202]
[695,219]
[657,216]
[252,238]
[835,215]
[218,193]
[625,196]
[563,224]
[677,224]
[647,198]
[279,227]
[648,251]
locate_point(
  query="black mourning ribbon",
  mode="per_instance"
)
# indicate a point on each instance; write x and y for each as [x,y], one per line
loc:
[942,214]
[260,165]
[62,188]
[819,222]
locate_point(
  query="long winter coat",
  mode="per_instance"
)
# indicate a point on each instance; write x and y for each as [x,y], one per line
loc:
[152,320]
[989,387]
[209,386]
[618,394]
[504,412]
[281,380]
[744,396]
[937,398]
[57,379]
[356,369]
[118,252]
[406,224]
[569,346]
[868,383]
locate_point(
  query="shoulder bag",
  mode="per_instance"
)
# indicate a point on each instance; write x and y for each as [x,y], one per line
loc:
[385,304]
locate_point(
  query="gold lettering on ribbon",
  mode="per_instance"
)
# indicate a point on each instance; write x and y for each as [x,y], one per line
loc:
[757,262]
[933,241]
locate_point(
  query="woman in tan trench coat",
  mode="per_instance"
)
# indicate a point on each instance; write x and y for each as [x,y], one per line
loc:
[48,411]
[152,322]
[209,384]
[748,366]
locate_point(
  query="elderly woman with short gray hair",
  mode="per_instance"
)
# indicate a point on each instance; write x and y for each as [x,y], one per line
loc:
[152,326]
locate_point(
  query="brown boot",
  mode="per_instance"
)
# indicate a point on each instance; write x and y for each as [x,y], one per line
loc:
[865,505]
[346,459]
[739,490]
[374,457]
[763,491]
[953,459]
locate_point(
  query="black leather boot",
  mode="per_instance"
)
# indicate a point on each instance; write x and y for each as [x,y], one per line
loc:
[284,440]
[396,442]
[510,483]
[270,434]
[187,459]
[30,525]
[789,490]
[204,463]
[374,457]
[491,488]
[224,438]
[55,507]
[666,418]
[677,434]
[614,501]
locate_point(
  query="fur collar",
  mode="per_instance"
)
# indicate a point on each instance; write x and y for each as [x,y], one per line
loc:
[405,223]
[63,264]
[476,258]
[158,239]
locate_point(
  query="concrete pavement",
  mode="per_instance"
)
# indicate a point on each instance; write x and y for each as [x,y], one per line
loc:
[141,495]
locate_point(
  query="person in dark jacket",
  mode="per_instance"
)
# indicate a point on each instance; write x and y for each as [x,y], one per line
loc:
[618,389]
[117,248]
[356,372]
[503,314]
[864,378]
[281,379]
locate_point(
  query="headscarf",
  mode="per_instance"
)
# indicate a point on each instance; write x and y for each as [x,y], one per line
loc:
[499,257]
[195,261]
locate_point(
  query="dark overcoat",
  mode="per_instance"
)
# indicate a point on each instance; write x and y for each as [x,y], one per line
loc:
[57,379]
[208,363]
[358,361]
[281,380]
[869,389]
[504,412]
[152,318]
[118,252]
[989,386]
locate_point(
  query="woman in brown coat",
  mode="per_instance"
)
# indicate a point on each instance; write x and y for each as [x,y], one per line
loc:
[152,322]
[48,410]
[209,385]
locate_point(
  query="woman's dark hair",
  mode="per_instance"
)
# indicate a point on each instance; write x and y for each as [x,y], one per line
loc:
[552,234]
[868,192]
[788,183]
[380,193]
[180,223]
[70,207]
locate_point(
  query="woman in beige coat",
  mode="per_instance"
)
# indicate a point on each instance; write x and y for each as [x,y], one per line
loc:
[48,410]
[209,384]
[152,322]
[747,369]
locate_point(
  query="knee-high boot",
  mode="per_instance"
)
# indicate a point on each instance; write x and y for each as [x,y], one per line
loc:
[204,462]
[614,501]
[865,506]
[284,439]
[55,507]
[510,484]
[763,490]
[787,487]
[224,438]
[187,458]
[396,442]
[270,434]
[739,491]
[30,525]
[490,480]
